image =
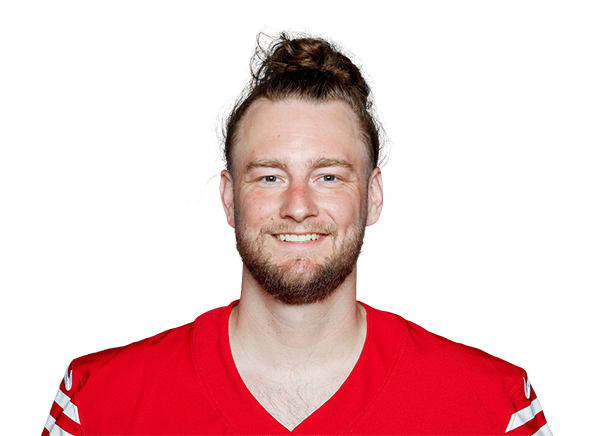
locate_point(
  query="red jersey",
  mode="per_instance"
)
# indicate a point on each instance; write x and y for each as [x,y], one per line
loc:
[407,381]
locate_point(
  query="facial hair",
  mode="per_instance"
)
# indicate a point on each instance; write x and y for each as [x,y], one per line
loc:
[294,282]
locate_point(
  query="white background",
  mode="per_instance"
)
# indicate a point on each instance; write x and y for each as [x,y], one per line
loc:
[43,55]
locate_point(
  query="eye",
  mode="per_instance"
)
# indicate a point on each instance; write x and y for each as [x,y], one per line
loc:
[270,179]
[329,178]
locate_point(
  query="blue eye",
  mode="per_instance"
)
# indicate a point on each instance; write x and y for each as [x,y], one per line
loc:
[329,178]
[270,179]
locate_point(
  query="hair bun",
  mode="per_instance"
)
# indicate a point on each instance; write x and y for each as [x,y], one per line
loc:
[306,54]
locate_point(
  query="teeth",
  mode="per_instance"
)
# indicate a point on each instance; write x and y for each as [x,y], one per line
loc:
[299,238]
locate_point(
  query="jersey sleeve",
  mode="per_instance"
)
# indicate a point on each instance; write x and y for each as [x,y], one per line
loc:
[528,417]
[64,415]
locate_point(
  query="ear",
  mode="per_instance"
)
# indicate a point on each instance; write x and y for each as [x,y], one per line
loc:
[226,190]
[374,197]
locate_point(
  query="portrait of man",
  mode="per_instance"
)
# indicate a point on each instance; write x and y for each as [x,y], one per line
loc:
[301,152]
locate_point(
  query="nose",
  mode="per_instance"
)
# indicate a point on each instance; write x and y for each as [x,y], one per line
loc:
[298,202]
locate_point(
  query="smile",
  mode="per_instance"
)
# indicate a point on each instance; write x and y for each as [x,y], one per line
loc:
[298,238]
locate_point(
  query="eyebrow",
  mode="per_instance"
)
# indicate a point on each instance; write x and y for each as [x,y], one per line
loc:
[319,163]
[265,163]
[325,162]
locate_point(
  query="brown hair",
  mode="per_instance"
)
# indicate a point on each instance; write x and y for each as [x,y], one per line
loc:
[305,68]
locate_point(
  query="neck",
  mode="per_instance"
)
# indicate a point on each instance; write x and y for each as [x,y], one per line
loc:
[277,335]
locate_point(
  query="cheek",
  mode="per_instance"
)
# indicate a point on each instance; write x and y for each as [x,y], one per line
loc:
[257,209]
[344,210]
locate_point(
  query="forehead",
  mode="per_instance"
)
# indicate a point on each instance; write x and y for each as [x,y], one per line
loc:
[299,131]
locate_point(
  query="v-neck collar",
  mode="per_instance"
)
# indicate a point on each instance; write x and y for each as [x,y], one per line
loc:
[246,415]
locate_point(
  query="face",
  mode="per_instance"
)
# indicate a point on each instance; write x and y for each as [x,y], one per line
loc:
[300,197]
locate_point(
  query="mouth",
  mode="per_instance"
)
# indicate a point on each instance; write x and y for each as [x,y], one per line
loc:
[299,239]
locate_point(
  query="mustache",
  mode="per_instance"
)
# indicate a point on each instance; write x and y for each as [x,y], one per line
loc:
[324,228]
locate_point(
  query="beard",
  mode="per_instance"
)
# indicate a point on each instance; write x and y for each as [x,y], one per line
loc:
[299,281]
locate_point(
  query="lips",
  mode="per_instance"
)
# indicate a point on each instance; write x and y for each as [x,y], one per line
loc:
[291,237]
[307,232]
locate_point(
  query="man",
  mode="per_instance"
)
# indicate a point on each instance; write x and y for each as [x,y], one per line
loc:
[297,353]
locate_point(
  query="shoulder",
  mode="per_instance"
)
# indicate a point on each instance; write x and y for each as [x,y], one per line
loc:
[161,348]
[131,359]
[157,356]
[471,372]
[106,387]
[453,388]
[438,358]
[121,374]
[95,381]
[170,351]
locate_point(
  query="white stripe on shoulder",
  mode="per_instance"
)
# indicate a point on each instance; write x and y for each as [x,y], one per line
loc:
[50,423]
[68,379]
[57,431]
[544,431]
[72,412]
[54,429]
[524,415]
[69,408]
[61,399]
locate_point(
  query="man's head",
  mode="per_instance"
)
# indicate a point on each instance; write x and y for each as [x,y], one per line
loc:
[302,182]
